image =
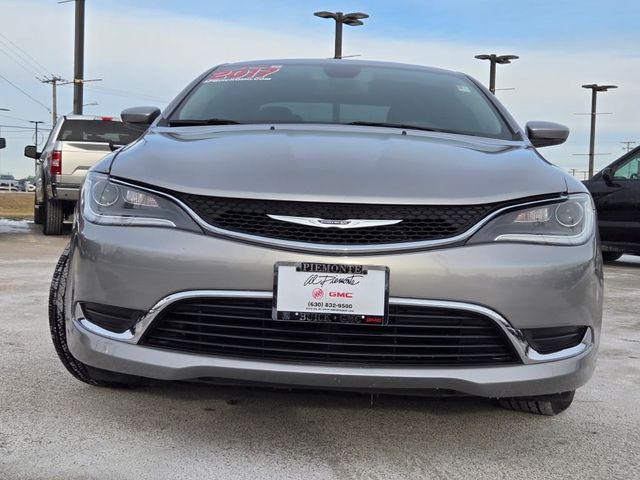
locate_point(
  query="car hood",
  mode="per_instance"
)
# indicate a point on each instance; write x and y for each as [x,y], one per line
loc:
[337,164]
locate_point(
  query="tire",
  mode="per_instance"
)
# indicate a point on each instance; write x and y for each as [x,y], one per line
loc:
[611,256]
[81,371]
[37,211]
[543,405]
[53,216]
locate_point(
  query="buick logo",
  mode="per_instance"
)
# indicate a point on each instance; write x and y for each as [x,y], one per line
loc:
[333,223]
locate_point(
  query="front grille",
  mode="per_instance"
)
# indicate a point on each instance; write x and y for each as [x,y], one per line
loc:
[243,328]
[419,222]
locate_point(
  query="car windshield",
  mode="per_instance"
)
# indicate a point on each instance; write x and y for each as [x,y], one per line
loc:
[101,131]
[342,93]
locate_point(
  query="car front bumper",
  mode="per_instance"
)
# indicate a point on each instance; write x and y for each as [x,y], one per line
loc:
[520,286]
[500,381]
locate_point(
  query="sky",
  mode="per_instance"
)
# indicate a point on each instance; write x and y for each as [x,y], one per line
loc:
[146,51]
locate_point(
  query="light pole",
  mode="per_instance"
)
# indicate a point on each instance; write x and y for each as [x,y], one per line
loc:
[595,88]
[353,19]
[494,60]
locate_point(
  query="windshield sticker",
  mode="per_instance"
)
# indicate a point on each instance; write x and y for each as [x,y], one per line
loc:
[244,73]
[464,88]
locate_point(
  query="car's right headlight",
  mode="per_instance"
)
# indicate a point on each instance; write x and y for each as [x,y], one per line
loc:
[108,203]
[568,222]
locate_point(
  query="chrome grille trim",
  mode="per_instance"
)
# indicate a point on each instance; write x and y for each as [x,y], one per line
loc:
[342,249]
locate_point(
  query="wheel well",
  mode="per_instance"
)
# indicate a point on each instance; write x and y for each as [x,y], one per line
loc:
[68,207]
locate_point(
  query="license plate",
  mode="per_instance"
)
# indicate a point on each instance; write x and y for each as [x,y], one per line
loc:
[329,292]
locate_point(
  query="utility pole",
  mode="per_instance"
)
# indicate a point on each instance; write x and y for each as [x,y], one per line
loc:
[628,145]
[78,64]
[595,88]
[54,80]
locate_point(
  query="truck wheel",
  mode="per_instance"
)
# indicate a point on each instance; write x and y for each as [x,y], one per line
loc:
[542,405]
[611,256]
[81,371]
[37,211]
[53,216]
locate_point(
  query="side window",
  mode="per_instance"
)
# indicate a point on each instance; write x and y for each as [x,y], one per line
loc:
[629,170]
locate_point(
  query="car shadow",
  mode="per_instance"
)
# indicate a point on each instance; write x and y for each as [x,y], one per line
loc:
[312,426]
[264,396]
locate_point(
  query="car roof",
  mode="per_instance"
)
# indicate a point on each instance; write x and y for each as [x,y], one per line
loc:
[333,61]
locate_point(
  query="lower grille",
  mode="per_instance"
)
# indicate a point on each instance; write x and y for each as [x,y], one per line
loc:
[414,335]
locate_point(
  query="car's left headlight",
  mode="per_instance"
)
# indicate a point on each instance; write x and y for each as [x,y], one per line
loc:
[569,222]
[108,203]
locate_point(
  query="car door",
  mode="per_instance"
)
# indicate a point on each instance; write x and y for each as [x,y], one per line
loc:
[618,201]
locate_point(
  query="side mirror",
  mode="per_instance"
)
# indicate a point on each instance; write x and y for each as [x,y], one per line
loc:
[607,175]
[139,116]
[545,134]
[31,152]
[3,143]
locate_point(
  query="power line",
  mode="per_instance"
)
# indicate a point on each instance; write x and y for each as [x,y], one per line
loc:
[25,93]
[628,145]
[23,128]
[13,118]
[124,93]
[29,57]
[22,65]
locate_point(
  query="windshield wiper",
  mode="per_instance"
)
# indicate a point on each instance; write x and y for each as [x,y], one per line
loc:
[397,125]
[208,121]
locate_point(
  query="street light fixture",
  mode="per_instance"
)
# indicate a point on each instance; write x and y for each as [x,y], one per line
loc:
[595,88]
[353,19]
[92,104]
[494,60]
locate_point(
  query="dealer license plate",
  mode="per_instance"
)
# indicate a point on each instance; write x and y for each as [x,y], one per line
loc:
[328,292]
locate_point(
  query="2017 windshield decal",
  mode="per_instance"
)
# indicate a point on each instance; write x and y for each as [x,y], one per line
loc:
[262,72]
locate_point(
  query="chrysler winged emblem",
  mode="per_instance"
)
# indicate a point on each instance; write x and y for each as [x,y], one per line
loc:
[330,223]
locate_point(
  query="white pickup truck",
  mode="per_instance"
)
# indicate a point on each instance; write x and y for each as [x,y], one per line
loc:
[75,143]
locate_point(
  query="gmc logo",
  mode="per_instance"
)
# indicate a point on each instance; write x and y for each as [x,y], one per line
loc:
[341,294]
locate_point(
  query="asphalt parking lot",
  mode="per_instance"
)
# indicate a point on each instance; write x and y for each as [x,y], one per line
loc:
[54,427]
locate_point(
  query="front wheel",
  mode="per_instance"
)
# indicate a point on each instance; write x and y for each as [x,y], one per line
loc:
[611,256]
[541,405]
[81,371]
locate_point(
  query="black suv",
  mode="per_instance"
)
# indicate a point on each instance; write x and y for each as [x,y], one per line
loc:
[616,192]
